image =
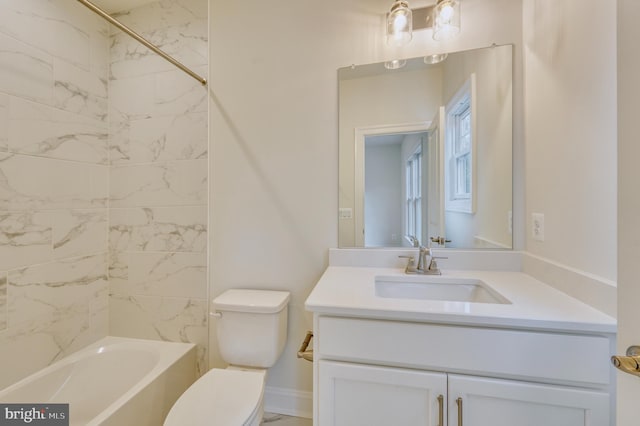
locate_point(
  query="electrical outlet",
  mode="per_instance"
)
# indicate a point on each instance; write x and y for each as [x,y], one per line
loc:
[537,226]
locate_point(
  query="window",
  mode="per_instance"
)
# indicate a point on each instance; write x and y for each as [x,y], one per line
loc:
[414,194]
[459,182]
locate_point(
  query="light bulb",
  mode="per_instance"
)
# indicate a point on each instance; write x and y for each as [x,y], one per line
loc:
[446,12]
[399,24]
[446,19]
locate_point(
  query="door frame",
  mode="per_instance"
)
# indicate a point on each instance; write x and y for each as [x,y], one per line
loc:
[360,134]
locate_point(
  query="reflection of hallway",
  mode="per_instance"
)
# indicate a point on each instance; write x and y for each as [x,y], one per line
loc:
[392,188]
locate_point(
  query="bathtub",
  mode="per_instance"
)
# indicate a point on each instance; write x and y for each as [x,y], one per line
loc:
[115,381]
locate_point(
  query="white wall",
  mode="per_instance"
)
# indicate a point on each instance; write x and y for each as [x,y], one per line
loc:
[570,116]
[628,202]
[274,130]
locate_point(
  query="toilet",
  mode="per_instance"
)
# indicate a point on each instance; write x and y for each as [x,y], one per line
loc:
[252,332]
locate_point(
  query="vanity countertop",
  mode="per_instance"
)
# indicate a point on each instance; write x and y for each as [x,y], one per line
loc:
[350,291]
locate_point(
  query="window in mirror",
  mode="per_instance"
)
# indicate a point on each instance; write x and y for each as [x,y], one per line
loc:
[459,150]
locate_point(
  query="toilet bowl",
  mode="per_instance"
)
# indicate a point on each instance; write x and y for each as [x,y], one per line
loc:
[251,330]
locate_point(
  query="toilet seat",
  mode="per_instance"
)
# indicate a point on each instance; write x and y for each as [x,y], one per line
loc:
[220,398]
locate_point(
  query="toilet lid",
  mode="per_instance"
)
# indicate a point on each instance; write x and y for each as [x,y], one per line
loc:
[219,398]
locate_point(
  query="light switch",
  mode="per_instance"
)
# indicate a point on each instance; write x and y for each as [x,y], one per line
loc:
[345,213]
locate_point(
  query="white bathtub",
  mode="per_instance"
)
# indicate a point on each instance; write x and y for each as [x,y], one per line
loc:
[115,381]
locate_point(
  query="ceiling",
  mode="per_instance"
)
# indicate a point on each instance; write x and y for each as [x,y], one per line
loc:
[113,6]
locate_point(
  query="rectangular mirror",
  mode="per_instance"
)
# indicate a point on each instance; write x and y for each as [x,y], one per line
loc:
[426,152]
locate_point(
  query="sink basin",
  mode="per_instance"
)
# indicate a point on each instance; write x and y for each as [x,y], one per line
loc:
[437,288]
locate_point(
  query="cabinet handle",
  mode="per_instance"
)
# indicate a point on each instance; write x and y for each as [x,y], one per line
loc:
[440,410]
[459,402]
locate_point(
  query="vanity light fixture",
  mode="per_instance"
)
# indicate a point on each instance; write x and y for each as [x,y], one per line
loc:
[395,64]
[443,17]
[446,19]
[435,59]
[399,24]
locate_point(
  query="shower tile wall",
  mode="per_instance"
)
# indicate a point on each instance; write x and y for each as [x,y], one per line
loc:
[53,182]
[158,179]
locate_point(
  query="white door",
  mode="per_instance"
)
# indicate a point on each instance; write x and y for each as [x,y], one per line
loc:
[476,401]
[628,386]
[365,395]
[435,179]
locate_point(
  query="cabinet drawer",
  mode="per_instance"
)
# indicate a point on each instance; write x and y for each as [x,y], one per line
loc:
[550,357]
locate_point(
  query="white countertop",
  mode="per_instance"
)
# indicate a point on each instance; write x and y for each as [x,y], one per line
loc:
[350,291]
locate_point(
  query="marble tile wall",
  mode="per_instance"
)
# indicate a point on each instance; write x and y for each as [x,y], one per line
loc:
[158,193]
[54,173]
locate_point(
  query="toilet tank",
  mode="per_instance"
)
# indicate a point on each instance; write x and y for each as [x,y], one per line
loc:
[252,328]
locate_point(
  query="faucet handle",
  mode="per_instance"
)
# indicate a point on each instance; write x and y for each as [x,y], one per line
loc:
[411,267]
[433,267]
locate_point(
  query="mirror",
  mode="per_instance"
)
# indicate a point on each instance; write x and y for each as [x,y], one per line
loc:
[426,152]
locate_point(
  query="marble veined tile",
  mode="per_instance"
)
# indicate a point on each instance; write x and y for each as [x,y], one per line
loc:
[131,98]
[160,318]
[34,237]
[31,346]
[40,130]
[186,43]
[56,289]
[178,94]
[168,93]
[182,137]
[24,70]
[165,229]
[78,232]
[28,182]
[99,48]
[3,301]
[4,123]
[162,14]
[160,274]
[79,91]
[99,315]
[59,28]
[25,238]
[159,184]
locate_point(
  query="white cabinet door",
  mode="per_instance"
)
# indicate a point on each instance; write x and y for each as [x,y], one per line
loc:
[365,395]
[492,402]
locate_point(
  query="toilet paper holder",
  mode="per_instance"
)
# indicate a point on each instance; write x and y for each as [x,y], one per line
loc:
[304,352]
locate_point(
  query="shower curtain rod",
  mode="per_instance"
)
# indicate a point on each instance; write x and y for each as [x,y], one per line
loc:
[141,39]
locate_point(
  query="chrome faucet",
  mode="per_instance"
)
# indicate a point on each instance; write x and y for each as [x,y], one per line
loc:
[427,264]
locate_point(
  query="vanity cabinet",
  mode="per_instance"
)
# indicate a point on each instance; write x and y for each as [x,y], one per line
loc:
[383,372]
[479,401]
[358,394]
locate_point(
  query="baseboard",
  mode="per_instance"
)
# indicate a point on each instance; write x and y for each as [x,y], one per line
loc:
[598,292]
[290,402]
